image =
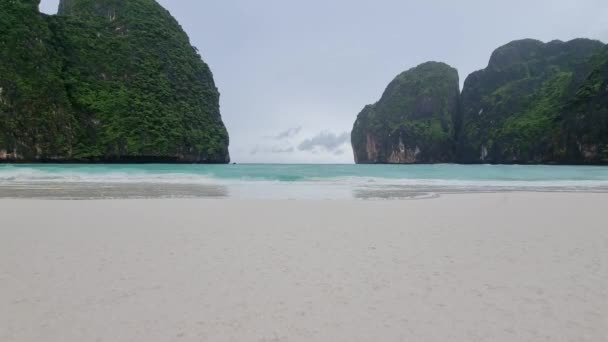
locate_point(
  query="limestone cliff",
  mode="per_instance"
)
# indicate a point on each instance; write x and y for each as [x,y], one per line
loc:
[535,103]
[104,80]
[511,110]
[414,120]
[582,126]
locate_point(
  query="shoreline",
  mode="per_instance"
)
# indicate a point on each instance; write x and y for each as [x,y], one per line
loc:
[290,181]
[217,193]
[484,267]
[82,191]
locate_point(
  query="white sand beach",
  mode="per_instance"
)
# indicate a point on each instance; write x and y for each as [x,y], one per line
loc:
[463,267]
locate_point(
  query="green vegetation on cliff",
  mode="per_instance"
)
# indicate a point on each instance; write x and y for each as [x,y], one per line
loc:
[583,122]
[105,80]
[414,119]
[511,108]
[534,103]
[35,111]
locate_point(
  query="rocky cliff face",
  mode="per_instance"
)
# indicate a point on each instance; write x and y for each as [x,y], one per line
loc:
[583,121]
[35,111]
[414,120]
[534,103]
[510,110]
[104,80]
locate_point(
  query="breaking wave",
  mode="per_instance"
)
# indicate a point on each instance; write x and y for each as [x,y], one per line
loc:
[311,181]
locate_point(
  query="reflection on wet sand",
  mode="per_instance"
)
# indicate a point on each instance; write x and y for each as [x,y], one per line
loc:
[426,191]
[82,191]
[254,190]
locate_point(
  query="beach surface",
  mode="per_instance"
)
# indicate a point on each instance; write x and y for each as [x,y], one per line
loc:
[462,267]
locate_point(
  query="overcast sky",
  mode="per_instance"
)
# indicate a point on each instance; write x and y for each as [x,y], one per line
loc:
[293,75]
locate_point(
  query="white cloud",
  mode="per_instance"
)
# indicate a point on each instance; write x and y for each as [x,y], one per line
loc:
[286,134]
[326,141]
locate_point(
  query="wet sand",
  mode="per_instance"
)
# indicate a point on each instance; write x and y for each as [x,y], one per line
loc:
[465,267]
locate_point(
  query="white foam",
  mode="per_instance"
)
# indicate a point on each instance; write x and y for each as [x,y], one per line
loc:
[10,175]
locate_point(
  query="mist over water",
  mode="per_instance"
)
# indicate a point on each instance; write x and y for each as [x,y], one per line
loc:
[281,181]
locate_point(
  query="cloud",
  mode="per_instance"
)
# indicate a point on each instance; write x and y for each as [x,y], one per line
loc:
[326,141]
[604,36]
[289,133]
[273,149]
[282,150]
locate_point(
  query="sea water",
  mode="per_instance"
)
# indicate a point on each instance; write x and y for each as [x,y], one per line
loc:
[281,181]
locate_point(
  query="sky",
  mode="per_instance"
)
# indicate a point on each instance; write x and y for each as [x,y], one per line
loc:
[293,75]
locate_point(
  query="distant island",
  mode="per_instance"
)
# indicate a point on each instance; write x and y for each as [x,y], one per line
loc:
[535,103]
[104,81]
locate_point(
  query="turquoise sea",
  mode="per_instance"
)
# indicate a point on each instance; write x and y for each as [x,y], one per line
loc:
[281,181]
